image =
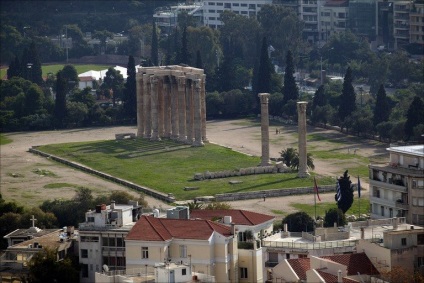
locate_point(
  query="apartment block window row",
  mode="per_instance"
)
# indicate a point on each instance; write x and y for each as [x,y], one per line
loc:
[417,201]
[417,219]
[89,239]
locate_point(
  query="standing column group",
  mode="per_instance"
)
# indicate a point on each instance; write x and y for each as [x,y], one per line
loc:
[171,104]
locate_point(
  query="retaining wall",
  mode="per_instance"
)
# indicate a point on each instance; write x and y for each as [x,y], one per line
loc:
[165,197]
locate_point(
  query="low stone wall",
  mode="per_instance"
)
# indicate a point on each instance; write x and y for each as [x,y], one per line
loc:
[165,197]
[279,167]
[272,193]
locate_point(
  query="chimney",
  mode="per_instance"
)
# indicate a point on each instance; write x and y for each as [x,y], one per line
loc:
[395,223]
[233,229]
[112,204]
[362,233]
[339,276]
[285,227]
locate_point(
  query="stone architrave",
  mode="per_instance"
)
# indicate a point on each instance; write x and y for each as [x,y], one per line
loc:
[147,106]
[154,109]
[197,109]
[203,106]
[301,112]
[182,108]
[264,97]
[140,114]
[174,108]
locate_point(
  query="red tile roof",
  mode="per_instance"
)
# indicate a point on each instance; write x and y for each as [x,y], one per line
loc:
[300,266]
[238,217]
[149,228]
[355,263]
[330,278]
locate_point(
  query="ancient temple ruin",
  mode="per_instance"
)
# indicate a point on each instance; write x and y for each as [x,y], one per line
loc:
[171,104]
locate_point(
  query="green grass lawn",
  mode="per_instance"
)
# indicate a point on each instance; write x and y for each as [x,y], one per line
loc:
[55,68]
[4,140]
[169,167]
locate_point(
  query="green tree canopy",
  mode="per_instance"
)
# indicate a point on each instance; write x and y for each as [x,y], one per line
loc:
[382,107]
[414,117]
[348,97]
[334,215]
[299,222]
[290,89]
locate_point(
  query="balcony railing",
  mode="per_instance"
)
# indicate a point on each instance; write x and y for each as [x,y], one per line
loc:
[309,246]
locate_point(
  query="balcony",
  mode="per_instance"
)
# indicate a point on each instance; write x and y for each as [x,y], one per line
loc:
[270,263]
[382,201]
[402,205]
[390,185]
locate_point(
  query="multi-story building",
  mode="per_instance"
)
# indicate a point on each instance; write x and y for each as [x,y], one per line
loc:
[397,188]
[416,24]
[333,18]
[206,247]
[212,9]
[401,11]
[102,238]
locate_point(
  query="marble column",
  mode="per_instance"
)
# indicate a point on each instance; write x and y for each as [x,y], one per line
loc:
[160,106]
[154,109]
[264,97]
[203,106]
[182,108]
[174,108]
[167,107]
[197,113]
[147,106]
[301,112]
[189,111]
[140,111]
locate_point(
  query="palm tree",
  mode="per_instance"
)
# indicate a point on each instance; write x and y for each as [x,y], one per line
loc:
[290,157]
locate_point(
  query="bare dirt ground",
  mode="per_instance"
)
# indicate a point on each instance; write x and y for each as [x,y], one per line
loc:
[21,182]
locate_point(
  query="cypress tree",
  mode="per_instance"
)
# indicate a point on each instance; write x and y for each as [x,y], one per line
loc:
[184,57]
[155,49]
[290,90]
[319,98]
[265,70]
[130,90]
[345,200]
[60,101]
[382,108]
[36,73]
[414,117]
[199,63]
[348,97]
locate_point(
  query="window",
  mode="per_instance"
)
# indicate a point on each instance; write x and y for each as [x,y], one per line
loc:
[90,219]
[382,210]
[227,5]
[183,251]
[420,261]
[184,271]
[403,240]
[211,11]
[211,3]
[84,270]
[84,253]
[243,273]
[244,5]
[144,252]
[236,4]
[219,4]
[420,239]
[252,6]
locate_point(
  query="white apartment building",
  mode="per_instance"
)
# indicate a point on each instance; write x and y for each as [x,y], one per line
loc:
[333,18]
[401,11]
[212,9]
[397,188]
[102,238]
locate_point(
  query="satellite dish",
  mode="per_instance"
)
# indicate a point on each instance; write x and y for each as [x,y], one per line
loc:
[105,268]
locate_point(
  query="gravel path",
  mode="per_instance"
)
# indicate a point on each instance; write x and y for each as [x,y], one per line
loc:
[20,183]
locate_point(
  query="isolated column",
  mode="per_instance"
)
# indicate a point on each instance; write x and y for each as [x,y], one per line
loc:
[264,128]
[301,112]
[197,113]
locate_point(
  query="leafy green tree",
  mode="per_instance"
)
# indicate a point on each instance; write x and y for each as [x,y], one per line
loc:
[76,113]
[130,91]
[205,40]
[218,205]
[44,267]
[11,42]
[290,157]
[399,68]
[344,196]
[60,101]
[299,222]
[14,69]
[334,215]
[275,104]
[283,34]
[102,35]
[362,121]
[120,197]
[235,103]
[113,82]
[348,97]
[384,129]
[290,89]
[184,55]
[214,104]
[34,99]
[154,51]
[320,98]
[414,117]
[382,107]
[84,96]
[322,114]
